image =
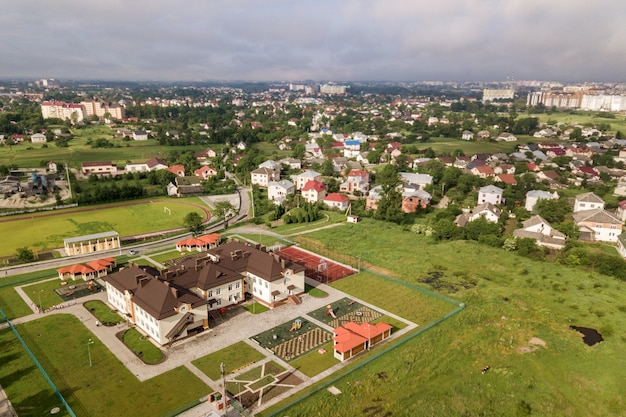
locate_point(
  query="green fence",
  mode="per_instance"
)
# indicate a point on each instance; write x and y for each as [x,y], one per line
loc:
[43,371]
[387,348]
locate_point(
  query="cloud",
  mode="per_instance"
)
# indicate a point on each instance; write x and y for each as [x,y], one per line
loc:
[569,40]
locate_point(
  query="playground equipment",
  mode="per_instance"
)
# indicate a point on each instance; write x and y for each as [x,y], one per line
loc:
[330,312]
[296,325]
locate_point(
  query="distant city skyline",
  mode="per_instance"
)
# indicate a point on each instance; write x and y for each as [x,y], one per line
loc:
[349,40]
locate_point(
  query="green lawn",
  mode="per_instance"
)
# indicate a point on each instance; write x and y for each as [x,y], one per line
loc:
[12,304]
[234,357]
[104,389]
[509,301]
[103,312]
[256,308]
[142,347]
[313,363]
[44,292]
[167,256]
[38,231]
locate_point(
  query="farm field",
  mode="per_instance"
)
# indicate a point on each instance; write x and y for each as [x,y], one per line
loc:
[516,321]
[47,230]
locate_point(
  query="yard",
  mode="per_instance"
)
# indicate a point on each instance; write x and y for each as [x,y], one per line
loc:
[234,357]
[60,344]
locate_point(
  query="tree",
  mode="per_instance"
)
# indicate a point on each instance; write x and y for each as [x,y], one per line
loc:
[193,223]
[25,255]
[225,210]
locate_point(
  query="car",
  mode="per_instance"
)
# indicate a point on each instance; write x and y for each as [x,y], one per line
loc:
[133,252]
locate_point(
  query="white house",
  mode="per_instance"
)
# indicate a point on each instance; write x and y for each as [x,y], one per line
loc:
[539,229]
[598,224]
[414,182]
[38,138]
[491,194]
[277,191]
[336,200]
[588,201]
[263,176]
[533,197]
[140,135]
[467,135]
[487,211]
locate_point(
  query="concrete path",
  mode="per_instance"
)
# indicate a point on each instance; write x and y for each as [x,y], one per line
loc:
[6,408]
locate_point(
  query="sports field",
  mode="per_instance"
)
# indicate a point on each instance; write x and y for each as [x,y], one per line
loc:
[47,230]
[318,268]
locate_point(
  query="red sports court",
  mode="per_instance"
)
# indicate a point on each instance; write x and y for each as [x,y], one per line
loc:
[318,268]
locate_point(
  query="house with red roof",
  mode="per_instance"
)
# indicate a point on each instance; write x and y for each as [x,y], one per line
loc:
[88,271]
[483,171]
[205,172]
[178,170]
[336,200]
[352,338]
[199,243]
[314,191]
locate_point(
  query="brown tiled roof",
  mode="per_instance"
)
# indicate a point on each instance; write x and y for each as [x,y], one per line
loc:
[161,298]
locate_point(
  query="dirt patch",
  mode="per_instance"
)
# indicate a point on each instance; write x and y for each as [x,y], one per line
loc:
[288,378]
[533,344]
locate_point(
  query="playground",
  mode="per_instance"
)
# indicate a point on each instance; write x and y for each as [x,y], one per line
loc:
[293,339]
[318,268]
[343,311]
[82,289]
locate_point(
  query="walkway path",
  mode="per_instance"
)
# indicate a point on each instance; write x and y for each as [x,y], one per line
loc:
[234,327]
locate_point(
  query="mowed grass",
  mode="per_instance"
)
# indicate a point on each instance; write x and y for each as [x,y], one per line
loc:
[39,231]
[105,389]
[509,300]
[313,362]
[234,357]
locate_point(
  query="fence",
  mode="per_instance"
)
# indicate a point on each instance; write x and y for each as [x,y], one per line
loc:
[322,250]
[386,349]
[3,318]
[34,210]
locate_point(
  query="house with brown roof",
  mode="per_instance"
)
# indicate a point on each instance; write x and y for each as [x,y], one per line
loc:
[205,172]
[178,170]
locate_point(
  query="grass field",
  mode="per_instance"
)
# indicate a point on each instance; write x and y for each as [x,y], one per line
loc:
[510,300]
[105,389]
[79,151]
[41,231]
[234,357]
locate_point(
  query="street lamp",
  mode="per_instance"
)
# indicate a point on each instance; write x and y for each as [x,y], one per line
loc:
[39,296]
[89,343]
[223,371]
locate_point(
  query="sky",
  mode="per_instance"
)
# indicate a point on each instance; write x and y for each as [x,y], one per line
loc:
[292,40]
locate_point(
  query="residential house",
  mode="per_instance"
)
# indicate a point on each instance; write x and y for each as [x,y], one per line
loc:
[358,180]
[506,179]
[413,181]
[263,176]
[205,155]
[205,172]
[313,191]
[351,148]
[38,138]
[487,211]
[52,166]
[467,135]
[598,225]
[178,170]
[621,245]
[98,168]
[621,210]
[301,179]
[533,197]
[483,134]
[186,187]
[373,197]
[482,171]
[155,164]
[274,166]
[539,229]
[412,200]
[506,137]
[339,163]
[491,194]
[504,169]
[351,338]
[140,135]
[277,191]
[292,163]
[588,201]
[337,201]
